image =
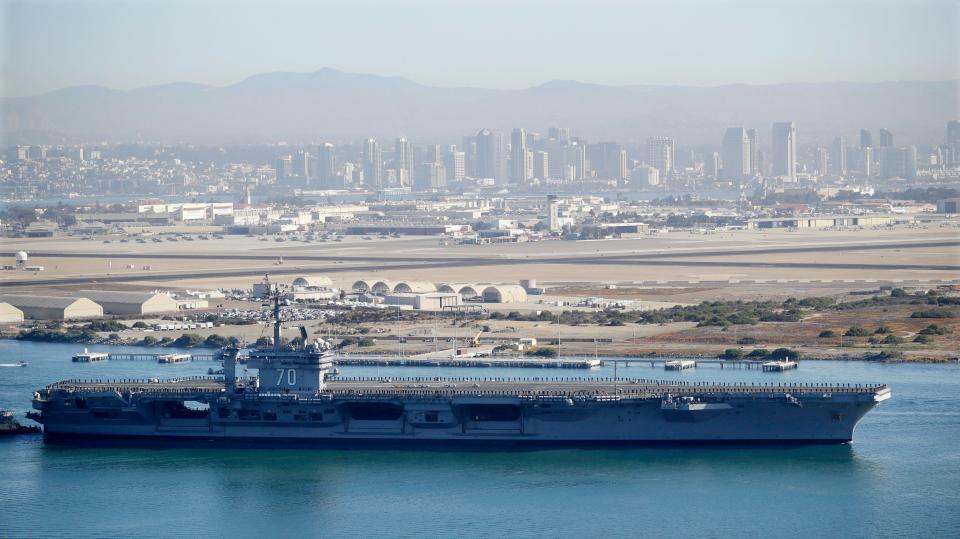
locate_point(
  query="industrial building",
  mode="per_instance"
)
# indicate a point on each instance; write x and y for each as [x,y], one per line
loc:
[488,293]
[10,314]
[55,308]
[132,303]
[827,221]
[433,301]
[504,293]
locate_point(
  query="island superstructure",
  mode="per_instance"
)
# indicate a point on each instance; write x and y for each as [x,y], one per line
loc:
[298,398]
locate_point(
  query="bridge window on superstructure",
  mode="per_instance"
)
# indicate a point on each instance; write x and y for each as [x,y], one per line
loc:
[269,416]
[249,415]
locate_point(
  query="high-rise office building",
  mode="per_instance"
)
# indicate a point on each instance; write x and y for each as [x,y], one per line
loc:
[608,160]
[491,156]
[455,163]
[754,152]
[284,168]
[541,165]
[823,161]
[433,154]
[301,165]
[735,155]
[431,176]
[519,173]
[885,139]
[838,157]
[326,172]
[713,164]
[953,132]
[784,141]
[660,154]
[898,162]
[866,139]
[561,134]
[372,165]
[403,161]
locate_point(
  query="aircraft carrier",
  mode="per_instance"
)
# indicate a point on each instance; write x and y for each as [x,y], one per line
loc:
[298,399]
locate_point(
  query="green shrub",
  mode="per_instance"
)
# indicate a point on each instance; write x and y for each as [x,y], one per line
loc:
[542,352]
[784,353]
[857,331]
[882,330]
[187,340]
[933,313]
[827,334]
[731,353]
[892,339]
[747,340]
[923,339]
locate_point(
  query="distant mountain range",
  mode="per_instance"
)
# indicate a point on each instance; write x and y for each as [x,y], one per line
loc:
[334,105]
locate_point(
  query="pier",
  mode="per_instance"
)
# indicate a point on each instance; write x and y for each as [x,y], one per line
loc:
[685,364]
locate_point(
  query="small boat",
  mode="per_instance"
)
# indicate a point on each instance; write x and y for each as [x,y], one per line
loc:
[9,425]
[18,364]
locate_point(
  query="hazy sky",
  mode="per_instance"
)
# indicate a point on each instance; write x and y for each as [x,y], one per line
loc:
[497,44]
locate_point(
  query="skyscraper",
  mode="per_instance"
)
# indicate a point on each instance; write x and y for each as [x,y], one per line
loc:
[403,161]
[455,163]
[735,155]
[784,141]
[898,162]
[823,161]
[754,152]
[372,165]
[301,166]
[491,156]
[561,134]
[541,165]
[608,160]
[885,139]
[838,156]
[519,173]
[431,176]
[326,172]
[284,168]
[660,154]
[953,132]
[866,139]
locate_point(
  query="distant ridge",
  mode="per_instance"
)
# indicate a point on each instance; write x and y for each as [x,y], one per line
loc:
[329,104]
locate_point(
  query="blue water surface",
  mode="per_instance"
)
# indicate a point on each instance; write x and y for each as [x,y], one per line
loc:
[900,477]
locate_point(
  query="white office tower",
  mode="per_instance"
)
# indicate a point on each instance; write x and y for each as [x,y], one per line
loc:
[784,142]
[519,173]
[735,155]
[456,163]
[838,156]
[491,156]
[372,165]
[660,154]
[403,161]
[553,213]
[645,176]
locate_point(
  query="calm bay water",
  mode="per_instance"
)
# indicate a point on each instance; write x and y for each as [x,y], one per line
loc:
[900,477]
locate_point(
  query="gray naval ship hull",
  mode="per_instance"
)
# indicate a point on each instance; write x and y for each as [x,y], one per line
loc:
[444,413]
